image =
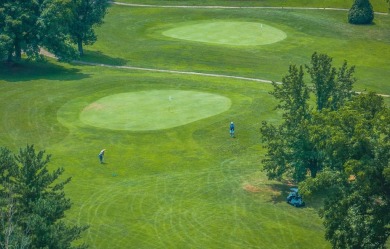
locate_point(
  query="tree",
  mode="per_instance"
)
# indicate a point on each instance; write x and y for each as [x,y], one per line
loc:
[389,5]
[290,148]
[28,25]
[11,235]
[293,95]
[361,12]
[356,146]
[332,87]
[35,202]
[87,14]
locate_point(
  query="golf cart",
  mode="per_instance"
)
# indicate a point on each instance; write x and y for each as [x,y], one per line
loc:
[294,198]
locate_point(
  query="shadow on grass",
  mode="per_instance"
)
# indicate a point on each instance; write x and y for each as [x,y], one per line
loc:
[27,71]
[282,190]
[99,57]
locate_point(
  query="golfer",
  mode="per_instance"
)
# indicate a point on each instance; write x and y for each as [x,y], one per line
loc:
[101,155]
[231,129]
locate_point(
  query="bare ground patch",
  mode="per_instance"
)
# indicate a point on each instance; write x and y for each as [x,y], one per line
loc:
[94,106]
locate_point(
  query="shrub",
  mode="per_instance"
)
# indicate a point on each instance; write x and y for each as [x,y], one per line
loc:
[361,12]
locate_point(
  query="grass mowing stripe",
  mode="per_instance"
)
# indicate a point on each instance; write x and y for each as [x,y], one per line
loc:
[181,187]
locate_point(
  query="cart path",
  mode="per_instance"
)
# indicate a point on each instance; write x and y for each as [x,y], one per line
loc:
[230,7]
[214,7]
[48,54]
[176,72]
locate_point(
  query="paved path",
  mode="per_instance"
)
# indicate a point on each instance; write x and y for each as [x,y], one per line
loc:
[185,72]
[177,72]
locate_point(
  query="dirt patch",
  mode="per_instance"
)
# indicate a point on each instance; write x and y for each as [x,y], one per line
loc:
[261,188]
[94,106]
[250,188]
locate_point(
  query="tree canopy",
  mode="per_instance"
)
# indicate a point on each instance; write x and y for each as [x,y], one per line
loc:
[33,203]
[337,143]
[87,14]
[361,12]
[290,147]
[355,144]
[56,25]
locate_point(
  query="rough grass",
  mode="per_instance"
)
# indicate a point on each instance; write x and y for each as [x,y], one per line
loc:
[139,41]
[172,188]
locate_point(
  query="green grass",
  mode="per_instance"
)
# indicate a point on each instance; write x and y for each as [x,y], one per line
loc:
[149,110]
[378,5]
[172,188]
[135,36]
[188,186]
[227,33]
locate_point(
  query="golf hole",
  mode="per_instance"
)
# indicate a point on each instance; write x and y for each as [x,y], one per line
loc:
[152,110]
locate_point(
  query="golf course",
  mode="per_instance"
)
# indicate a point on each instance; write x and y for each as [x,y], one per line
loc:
[158,91]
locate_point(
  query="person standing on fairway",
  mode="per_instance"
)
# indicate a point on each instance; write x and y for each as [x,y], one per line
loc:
[231,129]
[101,155]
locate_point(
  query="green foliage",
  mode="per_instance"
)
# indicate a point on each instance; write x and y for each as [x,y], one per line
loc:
[388,5]
[11,235]
[33,202]
[355,146]
[55,25]
[332,87]
[293,95]
[344,142]
[86,15]
[291,146]
[361,12]
[29,25]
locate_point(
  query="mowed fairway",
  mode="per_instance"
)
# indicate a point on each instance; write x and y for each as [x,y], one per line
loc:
[190,186]
[173,177]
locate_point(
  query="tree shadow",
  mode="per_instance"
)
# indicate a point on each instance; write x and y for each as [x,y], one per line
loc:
[28,71]
[99,57]
[282,190]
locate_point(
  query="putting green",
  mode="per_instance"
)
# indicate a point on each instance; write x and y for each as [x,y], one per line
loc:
[227,32]
[152,110]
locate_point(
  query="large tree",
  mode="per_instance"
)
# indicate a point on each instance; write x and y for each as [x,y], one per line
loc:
[290,149]
[28,25]
[11,235]
[87,15]
[283,140]
[355,143]
[55,25]
[33,203]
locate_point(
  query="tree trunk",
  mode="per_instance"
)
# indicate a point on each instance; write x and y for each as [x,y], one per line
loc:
[9,57]
[80,46]
[18,51]
[313,167]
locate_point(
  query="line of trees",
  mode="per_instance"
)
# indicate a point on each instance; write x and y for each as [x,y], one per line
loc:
[60,26]
[336,142]
[33,203]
